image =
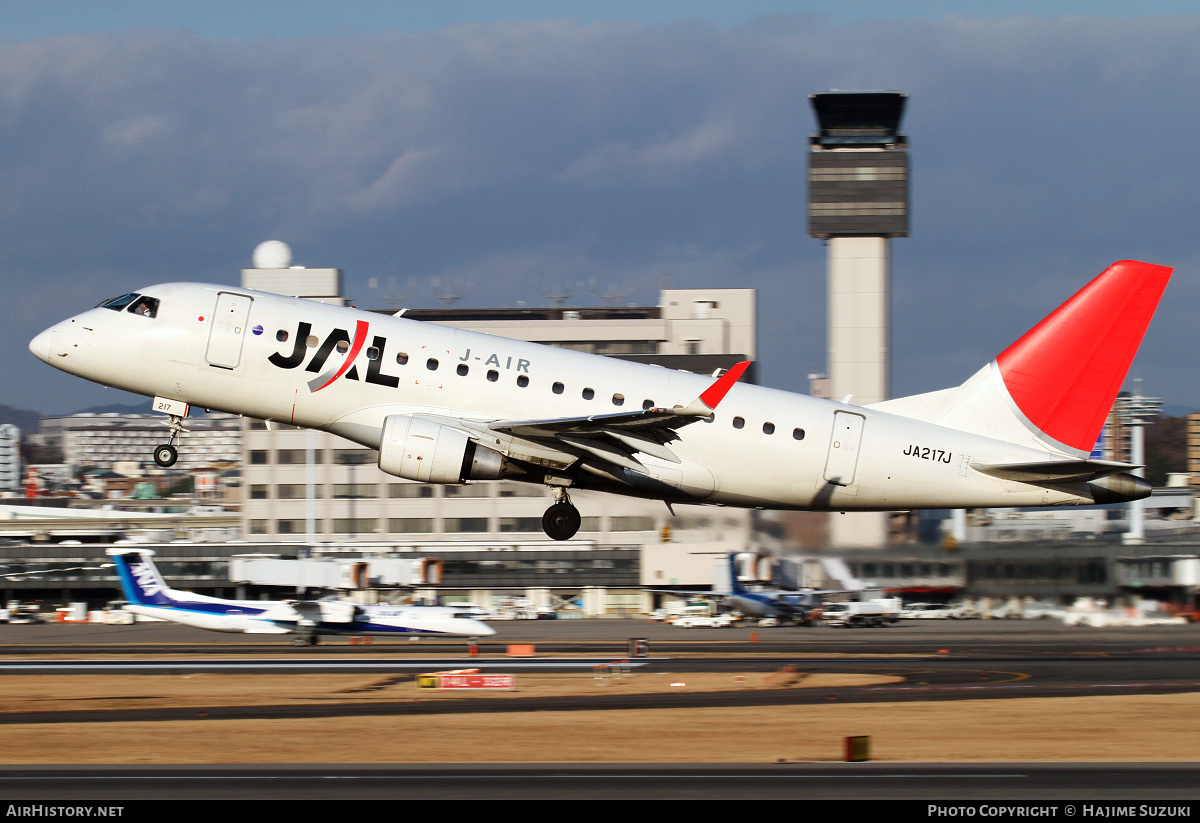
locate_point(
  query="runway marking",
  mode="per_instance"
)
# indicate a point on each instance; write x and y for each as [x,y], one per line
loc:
[1031,686]
[66,667]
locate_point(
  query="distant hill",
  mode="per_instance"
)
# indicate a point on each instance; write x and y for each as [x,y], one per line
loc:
[117,408]
[23,419]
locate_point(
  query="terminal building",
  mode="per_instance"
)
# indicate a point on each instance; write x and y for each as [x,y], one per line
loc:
[100,440]
[10,459]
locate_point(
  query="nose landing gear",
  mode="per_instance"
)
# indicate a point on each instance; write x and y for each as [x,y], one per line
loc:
[561,521]
[166,454]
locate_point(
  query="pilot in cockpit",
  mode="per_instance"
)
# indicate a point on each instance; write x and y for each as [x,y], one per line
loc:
[137,304]
[145,306]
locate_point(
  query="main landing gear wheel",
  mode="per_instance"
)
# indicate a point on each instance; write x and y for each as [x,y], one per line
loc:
[561,521]
[166,455]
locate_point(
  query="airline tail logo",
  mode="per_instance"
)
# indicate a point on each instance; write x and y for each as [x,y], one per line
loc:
[145,584]
[1065,372]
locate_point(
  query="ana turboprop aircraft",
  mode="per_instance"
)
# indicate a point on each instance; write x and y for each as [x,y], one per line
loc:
[149,595]
[444,405]
[796,605]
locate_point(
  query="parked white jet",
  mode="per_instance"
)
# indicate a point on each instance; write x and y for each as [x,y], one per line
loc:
[444,405]
[149,595]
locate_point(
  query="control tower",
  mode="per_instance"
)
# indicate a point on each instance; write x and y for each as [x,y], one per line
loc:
[857,202]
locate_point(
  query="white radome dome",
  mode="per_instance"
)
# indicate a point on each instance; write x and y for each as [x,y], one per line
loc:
[272,254]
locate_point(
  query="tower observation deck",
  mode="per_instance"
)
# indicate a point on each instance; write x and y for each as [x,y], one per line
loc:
[858,165]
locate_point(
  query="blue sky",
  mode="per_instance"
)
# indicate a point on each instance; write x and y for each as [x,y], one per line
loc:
[253,19]
[515,149]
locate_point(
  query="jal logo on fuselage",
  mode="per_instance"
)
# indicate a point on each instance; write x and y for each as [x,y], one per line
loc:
[341,341]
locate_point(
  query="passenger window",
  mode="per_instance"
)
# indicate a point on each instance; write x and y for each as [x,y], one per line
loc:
[145,306]
[618,400]
[281,335]
[493,375]
[557,388]
[797,434]
[768,428]
[402,359]
[738,422]
[342,347]
[522,381]
[372,353]
[431,364]
[588,394]
[647,405]
[462,370]
[312,341]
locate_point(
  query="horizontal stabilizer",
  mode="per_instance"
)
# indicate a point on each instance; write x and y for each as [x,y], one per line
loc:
[1054,471]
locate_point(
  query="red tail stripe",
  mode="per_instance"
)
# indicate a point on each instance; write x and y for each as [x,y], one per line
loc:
[1065,372]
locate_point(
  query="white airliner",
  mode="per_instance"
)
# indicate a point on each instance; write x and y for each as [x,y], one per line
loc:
[149,595]
[444,405]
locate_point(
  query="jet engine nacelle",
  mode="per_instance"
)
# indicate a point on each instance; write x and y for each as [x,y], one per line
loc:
[417,448]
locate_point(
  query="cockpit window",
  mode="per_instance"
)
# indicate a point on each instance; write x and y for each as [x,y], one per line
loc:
[118,303]
[145,306]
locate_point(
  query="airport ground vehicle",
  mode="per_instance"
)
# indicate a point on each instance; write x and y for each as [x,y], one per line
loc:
[702,621]
[927,611]
[878,612]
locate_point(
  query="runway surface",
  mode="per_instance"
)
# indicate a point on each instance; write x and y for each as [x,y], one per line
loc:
[946,661]
[999,784]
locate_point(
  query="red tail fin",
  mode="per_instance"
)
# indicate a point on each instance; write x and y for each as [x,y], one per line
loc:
[1065,372]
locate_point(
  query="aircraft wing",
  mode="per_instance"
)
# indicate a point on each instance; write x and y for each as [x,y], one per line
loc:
[1054,471]
[616,438]
[311,612]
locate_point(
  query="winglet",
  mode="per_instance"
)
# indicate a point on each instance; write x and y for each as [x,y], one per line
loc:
[704,405]
[717,391]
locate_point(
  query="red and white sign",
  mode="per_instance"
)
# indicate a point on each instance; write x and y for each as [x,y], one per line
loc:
[477,681]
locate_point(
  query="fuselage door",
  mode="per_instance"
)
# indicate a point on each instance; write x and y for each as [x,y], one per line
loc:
[228,330]
[842,461]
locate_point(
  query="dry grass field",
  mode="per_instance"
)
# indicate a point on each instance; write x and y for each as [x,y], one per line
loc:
[1115,728]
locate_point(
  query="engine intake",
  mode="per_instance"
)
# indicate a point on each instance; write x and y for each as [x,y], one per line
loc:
[417,448]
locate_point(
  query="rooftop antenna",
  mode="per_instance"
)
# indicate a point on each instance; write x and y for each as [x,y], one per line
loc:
[393,299]
[558,296]
[612,297]
[445,292]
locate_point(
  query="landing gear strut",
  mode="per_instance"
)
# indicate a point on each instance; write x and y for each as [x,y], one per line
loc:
[166,454]
[561,521]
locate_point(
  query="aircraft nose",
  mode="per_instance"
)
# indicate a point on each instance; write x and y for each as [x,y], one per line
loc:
[40,345]
[483,629]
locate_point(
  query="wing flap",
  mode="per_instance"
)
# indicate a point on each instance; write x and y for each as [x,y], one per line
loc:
[617,438]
